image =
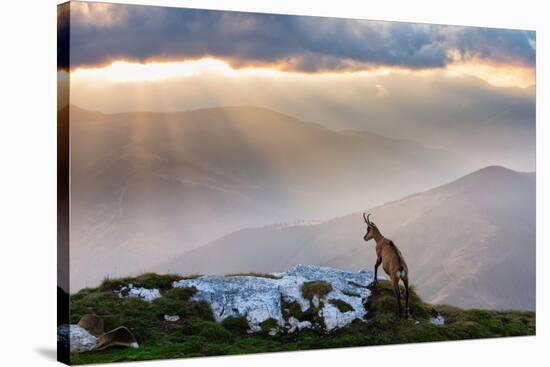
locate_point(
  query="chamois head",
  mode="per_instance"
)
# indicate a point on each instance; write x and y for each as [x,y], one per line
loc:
[370,228]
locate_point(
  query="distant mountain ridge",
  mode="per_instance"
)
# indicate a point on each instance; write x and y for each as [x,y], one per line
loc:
[148,186]
[469,243]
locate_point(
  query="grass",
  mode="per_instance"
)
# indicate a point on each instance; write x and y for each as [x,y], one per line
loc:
[291,310]
[254,274]
[196,334]
[342,306]
[351,294]
[147,280]
[236,325]
[318,288]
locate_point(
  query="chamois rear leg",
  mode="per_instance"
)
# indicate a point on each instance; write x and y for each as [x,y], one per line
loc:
[406,283]
[397,291]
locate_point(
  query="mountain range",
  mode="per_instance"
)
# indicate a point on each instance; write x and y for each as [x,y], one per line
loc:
[469,243]
[148,187]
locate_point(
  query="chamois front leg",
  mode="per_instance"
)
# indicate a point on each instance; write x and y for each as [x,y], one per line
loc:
[378,262]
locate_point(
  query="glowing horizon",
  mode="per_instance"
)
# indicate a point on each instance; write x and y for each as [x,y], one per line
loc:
[497,75]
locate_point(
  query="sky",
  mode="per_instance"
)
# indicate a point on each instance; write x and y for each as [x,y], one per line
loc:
[404,80]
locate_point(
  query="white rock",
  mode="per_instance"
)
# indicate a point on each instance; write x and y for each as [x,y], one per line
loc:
[335,319]
[146,294]
[171,318]
[76,338]
[439,320]
[259,298]
[295,324]
[304,325]
[315,300]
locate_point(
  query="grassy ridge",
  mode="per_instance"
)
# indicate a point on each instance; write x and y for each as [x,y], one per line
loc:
[197,334]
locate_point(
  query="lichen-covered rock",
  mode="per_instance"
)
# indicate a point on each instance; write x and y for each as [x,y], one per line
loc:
[295,324]
[439,320]
[259,298]
[148,295]
[171,318]
[77,339]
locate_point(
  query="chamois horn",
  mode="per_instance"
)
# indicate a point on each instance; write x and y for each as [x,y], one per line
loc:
[366,218]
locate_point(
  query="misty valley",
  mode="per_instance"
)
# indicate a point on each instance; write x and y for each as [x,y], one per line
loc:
[249,189]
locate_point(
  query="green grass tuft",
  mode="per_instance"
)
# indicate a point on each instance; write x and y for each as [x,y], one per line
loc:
[236,325]
[269,325]
[342,306]
[254,274]
[351,294]
[147,280]
[318,288]
[291,310]
[212,331]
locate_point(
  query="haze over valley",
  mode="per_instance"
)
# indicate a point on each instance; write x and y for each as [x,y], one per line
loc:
[469,243]
[149,186]
[241,189]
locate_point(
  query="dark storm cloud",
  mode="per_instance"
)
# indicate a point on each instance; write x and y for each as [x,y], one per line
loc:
[101,33]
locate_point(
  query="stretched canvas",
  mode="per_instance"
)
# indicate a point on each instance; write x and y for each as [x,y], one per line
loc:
[233,182]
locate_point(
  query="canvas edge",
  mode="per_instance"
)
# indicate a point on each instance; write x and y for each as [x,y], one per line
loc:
[63,178]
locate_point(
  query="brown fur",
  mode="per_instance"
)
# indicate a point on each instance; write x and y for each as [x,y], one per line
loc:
[392,261]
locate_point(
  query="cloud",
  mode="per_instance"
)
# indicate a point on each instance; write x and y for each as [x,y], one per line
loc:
[101,33]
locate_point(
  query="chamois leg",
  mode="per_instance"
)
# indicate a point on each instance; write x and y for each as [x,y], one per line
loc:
[397,291]
[378,262]
[406,283]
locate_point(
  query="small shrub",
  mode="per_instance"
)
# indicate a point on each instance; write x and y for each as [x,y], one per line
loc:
[236,325]
[190,276]
[268,325]
[210,330]
[342,306]
[169,306]
[180,294]
[312,315]
[317,288]
[351,294]
[147,280]
[202,310]
[292,310]
[254,274]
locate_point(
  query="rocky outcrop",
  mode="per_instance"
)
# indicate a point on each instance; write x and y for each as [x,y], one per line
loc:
[145,294]
[76,338]
[304,297]
[438,320]
[274,297]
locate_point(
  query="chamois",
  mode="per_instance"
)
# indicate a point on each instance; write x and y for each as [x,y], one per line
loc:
[392,261]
